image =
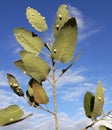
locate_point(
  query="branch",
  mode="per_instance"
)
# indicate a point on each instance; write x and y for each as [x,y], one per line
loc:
[90,125]
[66,69]
[49,40]
[47,110]
[48,47]
[96,121]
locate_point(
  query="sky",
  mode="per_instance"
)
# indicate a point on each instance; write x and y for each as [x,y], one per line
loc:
[94,39]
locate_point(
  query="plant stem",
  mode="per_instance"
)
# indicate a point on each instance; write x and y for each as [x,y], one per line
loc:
[46,110]
[55,101]
[55,108]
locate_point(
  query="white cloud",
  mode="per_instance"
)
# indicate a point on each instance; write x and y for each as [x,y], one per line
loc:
[8,98]
[78,84]
[87,34]
[65,123]
[22,78]
[16,50]
[70,94]
[3,81]
[87,84]
[85,27]
[79,16]
[72,77]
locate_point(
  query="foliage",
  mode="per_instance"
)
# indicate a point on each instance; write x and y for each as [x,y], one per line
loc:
[94,104]
[31,63]
[10,115]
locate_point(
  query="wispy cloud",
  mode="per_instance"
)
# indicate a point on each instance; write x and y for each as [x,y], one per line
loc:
[22,78]
[72,77]
[65,123]
[73,92]
[70,94]
[16,50]
[8,98]
[78,15]
[87,34]
[85,28]
[3,81]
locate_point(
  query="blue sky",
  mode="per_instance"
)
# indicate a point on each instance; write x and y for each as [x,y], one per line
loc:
[95,29]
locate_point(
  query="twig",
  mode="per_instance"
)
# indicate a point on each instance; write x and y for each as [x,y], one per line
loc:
[45,54]
[90,125]
[40,107]
[68,67]
[96,121]
[49,40]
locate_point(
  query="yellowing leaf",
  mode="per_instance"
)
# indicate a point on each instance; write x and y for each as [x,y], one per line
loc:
[31,99]
[65,43]
[36,19]
[28,40]
[39,93]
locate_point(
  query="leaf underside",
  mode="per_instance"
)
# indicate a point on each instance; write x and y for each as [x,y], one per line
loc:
[36,93]
[28,41]
[65,43]
[36,67]
[20,65]
[15,85]
[62,17]
[30,97]
[39,93]
[99,101]
[88,104]
[10,114]
[36,19]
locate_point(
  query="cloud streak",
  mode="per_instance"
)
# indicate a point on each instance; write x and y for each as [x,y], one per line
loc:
[22,78]
[74,12]
[85,28]
[3,81]
[72,77]
[65,123]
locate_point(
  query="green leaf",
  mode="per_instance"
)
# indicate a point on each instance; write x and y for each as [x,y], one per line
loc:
[36,19]
[99,101]
[88,104]
[28,40]
[20,65]
[10,115]
[62,17]
[16,121]
[65,44]
[39,93]
[15,85]
[36,67]
[104,128]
